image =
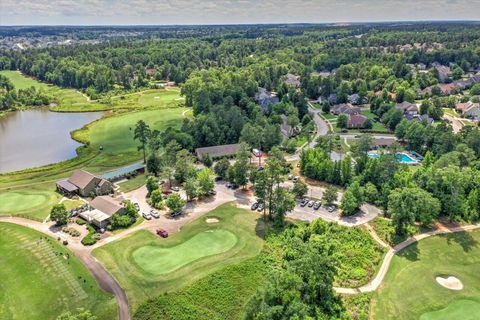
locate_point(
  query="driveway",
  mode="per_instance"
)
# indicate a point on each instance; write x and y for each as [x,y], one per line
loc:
[457,125]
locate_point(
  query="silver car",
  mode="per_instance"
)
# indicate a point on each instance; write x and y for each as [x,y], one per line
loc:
[155,214]
[147,216]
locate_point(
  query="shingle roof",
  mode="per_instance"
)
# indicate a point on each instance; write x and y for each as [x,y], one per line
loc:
[65,184]
[218,151]
[106,204]
[81,178]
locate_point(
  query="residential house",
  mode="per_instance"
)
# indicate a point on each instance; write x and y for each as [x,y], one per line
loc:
[332,98]
[218,151]
[469,109]
[292,80]
[419,118]
[407,107]
[356,121]
[445,89]
[421,66]
[383,142]
[265,98]
[102,208]
[84,184]
[444,72]
[344,108]
[354,99]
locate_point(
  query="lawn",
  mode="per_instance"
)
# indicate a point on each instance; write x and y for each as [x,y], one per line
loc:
[72,204]
[133,183]
[39,282]
[157,260]
[410,291]
[115,133]
[22,82]
[131,260]
[220,295]
[34,202]
[71,100]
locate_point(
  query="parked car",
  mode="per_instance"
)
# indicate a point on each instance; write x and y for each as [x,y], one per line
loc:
[155,214]
[175,214]
[304,202]
[137,206]
[175,188]
[147,216]
[295,178]
[161,182]
[316,205]
[260,207]
[311,203]
[330,209]
[212,192]
[162,233]
[228,185]
[167,191]
[218,178]
[290,176]
[234,186]
[254,206]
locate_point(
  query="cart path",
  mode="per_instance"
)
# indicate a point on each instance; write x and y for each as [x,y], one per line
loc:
[105,280]
[375,283]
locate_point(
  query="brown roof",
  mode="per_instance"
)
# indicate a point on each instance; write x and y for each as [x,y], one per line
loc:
[106,204]
[383,141]
[81,178]
[356,120]
[406,106]
[464,107]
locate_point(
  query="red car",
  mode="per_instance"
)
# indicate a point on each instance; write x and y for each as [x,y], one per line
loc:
[162,233]
[167,191]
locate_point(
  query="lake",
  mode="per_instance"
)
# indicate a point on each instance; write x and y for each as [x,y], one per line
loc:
[38,137]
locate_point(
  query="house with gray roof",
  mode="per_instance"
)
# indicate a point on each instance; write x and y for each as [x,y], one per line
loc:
[218,151]
[265,98]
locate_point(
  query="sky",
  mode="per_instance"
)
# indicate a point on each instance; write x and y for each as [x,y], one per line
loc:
[151,12]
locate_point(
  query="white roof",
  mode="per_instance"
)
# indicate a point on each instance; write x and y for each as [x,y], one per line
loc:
[94,214]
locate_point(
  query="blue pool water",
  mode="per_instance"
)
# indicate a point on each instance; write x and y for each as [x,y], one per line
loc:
[402,158]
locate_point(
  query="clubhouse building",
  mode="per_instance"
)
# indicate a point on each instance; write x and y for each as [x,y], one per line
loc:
[84,184]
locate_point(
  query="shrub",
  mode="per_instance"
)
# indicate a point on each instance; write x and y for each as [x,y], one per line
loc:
[80,221]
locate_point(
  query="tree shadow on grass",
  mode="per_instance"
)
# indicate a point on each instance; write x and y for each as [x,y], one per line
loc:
[260,229]
[410,253]
[464,239]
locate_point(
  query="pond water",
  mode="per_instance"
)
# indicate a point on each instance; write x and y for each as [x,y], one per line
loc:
[38,137]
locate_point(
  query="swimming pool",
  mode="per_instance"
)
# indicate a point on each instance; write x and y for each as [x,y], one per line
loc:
[401,157]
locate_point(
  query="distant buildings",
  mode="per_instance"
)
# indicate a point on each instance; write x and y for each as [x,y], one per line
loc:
[444,72]
[407,107]
[292,80]
[345,108]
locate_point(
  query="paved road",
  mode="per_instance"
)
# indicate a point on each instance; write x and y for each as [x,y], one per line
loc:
[375,283]
[375,136]
[322,126]
[104,279]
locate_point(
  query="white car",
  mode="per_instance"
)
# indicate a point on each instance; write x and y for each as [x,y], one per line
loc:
[147,215]
[155,214]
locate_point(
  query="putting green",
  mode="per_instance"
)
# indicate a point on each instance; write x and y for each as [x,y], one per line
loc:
[12,202]
[158,260]
[459,309]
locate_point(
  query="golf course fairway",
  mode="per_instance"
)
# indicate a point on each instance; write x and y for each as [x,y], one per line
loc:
[410,290]
[157,260]
[41,279]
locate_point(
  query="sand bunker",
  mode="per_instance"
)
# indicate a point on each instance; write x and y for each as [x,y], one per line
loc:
[451,283]
[212,220]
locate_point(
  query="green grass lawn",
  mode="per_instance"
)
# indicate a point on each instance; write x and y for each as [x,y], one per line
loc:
[410,291]
[220,295]
[115,133]
[133,183]
[133,268]
[329,116]
[32,202]
[157,260]
[22,82]
[39,283]
[72,204]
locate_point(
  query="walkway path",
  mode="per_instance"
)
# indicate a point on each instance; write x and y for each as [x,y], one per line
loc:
[375,283]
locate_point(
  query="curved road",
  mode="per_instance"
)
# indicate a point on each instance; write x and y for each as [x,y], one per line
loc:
[375,283]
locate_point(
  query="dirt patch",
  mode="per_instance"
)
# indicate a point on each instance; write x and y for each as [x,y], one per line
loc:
[451,283]
[212,220]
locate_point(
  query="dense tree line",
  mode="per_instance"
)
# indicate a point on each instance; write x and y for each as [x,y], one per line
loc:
[11,98]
